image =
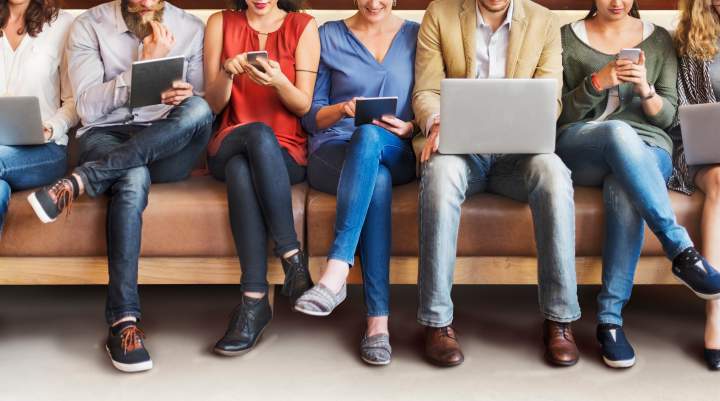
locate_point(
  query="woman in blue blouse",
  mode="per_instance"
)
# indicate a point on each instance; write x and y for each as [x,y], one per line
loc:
[371,54]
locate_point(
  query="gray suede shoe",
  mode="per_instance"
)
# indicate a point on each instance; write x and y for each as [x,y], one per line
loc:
[376,350]
[320,300]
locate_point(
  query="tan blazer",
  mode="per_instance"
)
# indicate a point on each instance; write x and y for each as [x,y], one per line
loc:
[446,49]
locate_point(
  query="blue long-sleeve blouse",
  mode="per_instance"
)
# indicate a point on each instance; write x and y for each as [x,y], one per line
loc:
[348,69]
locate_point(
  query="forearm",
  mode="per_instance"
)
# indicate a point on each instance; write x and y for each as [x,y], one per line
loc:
[295,100]
[102,99]
[329,115]
[218,92]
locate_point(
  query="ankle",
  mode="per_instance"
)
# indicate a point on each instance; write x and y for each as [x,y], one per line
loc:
[254,295]
[79,182]
[335,276]
[377,325]
[123,320]
[288,255]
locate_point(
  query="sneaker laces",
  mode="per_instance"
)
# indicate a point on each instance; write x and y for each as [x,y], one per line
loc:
[131,339]
[64,195]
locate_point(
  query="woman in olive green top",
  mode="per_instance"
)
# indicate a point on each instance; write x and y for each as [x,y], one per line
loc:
[612,135]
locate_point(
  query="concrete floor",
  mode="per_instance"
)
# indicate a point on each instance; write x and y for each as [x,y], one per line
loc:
[51,348]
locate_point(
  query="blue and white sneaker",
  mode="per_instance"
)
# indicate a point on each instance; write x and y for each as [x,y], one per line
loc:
[697,274]
[616,350]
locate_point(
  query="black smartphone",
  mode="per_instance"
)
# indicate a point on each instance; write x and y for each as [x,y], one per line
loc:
[252,58]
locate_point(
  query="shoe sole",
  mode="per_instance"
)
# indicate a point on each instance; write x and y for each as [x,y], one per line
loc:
[706,297]
[375,363]
[130,368]
[444,364]
[624,364]
[39,211]
[563,364]
[312,313]
[223,352]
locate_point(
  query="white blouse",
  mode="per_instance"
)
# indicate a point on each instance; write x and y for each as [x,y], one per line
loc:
[613,101]
[38,68]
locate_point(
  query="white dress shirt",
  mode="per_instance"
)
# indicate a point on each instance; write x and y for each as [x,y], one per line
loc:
[490,50]
[101,50]
[38,68]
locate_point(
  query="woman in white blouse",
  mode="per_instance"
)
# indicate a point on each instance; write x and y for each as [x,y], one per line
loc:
[32,43]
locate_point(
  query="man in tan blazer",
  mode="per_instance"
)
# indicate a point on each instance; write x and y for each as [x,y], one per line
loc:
[477,39]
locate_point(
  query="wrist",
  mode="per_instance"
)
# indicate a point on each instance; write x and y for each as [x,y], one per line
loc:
[595,81]
[647,92]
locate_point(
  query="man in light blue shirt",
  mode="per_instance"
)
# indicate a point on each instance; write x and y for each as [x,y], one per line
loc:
[123,150]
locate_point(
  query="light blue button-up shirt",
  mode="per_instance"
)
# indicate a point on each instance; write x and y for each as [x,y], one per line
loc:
[491,47]
[100,53]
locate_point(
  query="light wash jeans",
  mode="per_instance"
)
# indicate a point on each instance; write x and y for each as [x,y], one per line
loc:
[632,175]
[541,180]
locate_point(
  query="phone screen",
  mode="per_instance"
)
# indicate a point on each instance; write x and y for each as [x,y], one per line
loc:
[252,58]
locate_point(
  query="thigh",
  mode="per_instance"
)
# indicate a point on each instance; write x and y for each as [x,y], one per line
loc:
[579,148]
[325,166]
[233,145]
[398,157]
[98,142]
[25,167]
[296,172]
[511,175]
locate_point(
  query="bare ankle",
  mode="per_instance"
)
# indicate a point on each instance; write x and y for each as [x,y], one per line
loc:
[254,295]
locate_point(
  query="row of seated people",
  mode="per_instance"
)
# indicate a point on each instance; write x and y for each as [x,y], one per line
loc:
[289,118]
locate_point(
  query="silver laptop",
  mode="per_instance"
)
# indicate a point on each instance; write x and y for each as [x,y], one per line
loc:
[701,133]
[481,116]
[20,121]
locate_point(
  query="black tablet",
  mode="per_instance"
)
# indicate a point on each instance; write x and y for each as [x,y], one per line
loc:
[372,108]
[153,77]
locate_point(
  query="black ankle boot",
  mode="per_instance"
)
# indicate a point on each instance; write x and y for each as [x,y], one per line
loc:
[247,324]
[297,276]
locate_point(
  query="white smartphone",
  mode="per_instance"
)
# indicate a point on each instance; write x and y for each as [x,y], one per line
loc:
[252,58]
[630,54]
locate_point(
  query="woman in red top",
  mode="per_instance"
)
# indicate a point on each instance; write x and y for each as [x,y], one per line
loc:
[260,147]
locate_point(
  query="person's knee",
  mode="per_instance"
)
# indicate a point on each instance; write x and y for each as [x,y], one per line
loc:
[620,136]
[366,137]
[383,185]
[196,110]
[712,184]
[237,167]
[551,175]
[260,137]
[134,186]
[443,177]
[5,192]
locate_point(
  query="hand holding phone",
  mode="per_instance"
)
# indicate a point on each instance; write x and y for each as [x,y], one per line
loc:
[252,59]
[630,55]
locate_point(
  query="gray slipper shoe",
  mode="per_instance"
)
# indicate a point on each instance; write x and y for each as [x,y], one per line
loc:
[320,300]
[376,350]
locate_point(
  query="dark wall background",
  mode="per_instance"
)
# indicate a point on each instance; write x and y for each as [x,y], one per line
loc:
[402,4]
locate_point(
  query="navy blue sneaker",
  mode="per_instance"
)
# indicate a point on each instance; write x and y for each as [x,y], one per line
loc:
[697,274]
[126,348]
[616,350]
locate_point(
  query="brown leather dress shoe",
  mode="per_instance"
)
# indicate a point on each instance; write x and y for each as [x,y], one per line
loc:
[560,344]
[442,347]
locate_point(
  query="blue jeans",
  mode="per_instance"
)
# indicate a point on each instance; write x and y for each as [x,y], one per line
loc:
[541,180]
[633,176]
[25,167]
[123,161]
[362,173]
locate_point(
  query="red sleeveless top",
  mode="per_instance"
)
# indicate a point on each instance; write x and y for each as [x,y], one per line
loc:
[250,102]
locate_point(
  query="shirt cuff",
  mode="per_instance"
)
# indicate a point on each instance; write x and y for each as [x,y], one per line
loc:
[429,123]
[59,128]
[123,82]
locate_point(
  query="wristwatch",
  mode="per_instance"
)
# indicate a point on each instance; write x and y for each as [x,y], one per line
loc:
[651,94]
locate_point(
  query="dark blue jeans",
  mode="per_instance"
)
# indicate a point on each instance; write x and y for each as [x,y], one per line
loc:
[25,167]
[632,175]
[123,161]
[362,173]
[259,174]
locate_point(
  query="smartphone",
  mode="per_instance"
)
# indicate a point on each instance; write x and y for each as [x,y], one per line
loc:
[630,54]
[252,58]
